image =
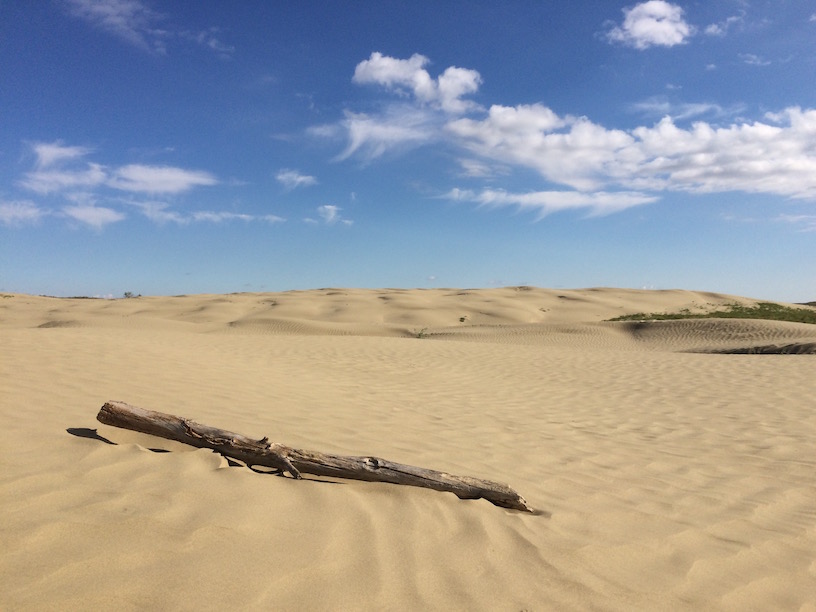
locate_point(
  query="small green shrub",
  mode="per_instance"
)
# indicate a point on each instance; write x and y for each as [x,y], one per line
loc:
[762,310]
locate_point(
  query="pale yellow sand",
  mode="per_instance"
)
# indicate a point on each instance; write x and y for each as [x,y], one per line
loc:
[668,480]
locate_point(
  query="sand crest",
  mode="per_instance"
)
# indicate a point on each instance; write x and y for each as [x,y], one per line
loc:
[672,471]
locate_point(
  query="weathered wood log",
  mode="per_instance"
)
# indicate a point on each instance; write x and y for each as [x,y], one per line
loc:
[294,461]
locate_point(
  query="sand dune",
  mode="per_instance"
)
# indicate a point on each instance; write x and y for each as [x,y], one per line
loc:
[669,475]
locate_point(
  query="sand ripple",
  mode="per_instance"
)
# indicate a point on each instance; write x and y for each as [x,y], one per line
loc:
[669,479]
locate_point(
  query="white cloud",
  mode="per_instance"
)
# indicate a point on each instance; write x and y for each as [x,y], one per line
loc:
[661,107]
[130,20]
[54,173]
[750,157]
[134,22]
[721,28]
[399,128]
[805,223]
[95,216]
[546,202]
[19,212]
[49,180]
[52,153]
[400,74]
[330,214]
[209,38]
[160,213]
[475,168]
[218,217]
[415,120]
[60,171]
[652,23]
[531,136]
[754,60]
[158,179]
[272,219]
[292,179]
[606,168]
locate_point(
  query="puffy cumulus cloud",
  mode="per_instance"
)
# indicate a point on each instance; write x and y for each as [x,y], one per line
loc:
[652,23]
[777,157]
[568,150]
[19,212]
[608,169]
[291,179]
[158,179]
[408,76]
[415,120]
[546,202]
[95,216]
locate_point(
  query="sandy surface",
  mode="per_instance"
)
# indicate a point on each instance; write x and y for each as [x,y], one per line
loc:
[668,477]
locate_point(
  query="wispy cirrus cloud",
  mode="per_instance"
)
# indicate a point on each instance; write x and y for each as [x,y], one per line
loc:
[329,214]
[15,213]
[654,23]
[129,20]
[97,195]
[660,106]
[721,28]
[51,179]
[162,213]
[804,223]
[292,179]
[51,153]
[158,179]
[547,202]
[754,60]
[416,118]
[138,25]
[95,216]
[54,172]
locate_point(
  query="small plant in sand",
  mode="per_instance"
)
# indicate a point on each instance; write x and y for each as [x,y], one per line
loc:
[422,333]
[762,310]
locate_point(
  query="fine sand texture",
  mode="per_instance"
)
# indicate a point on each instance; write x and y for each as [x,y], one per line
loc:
[670,471]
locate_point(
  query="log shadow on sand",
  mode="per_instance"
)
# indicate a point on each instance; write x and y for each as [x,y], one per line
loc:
[93,434]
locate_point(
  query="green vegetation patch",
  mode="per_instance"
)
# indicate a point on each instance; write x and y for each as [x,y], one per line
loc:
[762,310]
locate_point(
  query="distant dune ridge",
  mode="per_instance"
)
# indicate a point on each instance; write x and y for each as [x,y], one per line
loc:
[674,470]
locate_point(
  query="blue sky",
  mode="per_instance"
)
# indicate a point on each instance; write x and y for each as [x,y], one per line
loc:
[168,147]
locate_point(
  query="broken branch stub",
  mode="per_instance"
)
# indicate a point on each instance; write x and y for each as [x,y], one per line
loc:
[294,461]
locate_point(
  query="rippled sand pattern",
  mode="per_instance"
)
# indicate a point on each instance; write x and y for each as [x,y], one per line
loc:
[669,478]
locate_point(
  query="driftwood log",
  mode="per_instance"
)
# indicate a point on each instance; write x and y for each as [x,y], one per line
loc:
[294,461]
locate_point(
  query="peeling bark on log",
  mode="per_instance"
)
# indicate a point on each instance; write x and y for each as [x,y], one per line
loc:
[269,454]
